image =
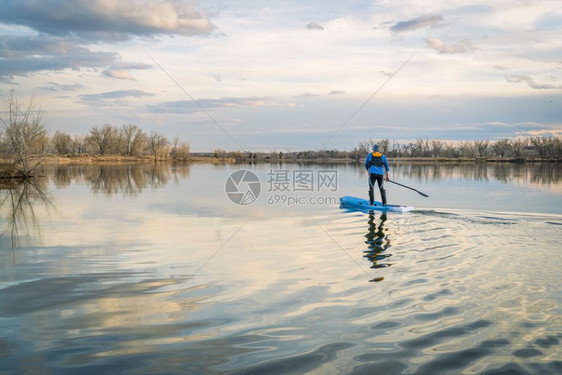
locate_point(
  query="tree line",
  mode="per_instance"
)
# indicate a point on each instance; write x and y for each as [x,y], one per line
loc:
[542,147]
[24,140]
[127,140]
[504,149]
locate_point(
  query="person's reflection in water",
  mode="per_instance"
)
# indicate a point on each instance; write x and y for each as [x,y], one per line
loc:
[377,244]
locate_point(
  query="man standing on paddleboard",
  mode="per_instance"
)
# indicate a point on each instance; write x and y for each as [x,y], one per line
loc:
[377,168]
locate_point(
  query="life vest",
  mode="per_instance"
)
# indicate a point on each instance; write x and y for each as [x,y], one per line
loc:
[376,160]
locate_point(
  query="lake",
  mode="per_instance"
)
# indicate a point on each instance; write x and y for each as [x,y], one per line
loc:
[255,269]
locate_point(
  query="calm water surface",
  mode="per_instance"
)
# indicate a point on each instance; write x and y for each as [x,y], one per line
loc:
[153,270]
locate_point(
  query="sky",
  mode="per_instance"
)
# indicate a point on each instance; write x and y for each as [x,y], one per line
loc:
[289,75]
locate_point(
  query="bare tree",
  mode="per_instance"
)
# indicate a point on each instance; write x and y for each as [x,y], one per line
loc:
[157,145]
[139,143]
[365,147]
[133,139]
[219,153]
[518,148]
[450,151]
[181,150]
[384,145]
[437,147]
[547,146]
[465,150]
[422,148]
[395,149]
[24,136]
[62,143]
[356,154]
[501,148]
[102,138]
[479,148]
[79,144]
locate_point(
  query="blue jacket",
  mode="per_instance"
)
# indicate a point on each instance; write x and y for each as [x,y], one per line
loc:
[376,169]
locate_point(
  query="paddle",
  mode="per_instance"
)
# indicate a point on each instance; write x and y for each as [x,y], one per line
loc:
[417,191]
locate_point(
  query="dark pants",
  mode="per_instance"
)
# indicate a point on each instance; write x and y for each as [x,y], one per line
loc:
[378,178]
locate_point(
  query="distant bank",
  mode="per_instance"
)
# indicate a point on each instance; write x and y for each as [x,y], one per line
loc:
[81,159]
[25,144]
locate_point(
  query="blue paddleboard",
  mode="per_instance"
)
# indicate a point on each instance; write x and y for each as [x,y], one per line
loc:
[363,205]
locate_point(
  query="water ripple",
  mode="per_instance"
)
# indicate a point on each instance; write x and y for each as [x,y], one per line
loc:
[451,292]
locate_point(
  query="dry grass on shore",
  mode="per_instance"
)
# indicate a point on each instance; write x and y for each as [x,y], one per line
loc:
[6,171]
[94,159]
[119,159]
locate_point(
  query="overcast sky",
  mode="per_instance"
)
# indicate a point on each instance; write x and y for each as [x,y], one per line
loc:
[287,75]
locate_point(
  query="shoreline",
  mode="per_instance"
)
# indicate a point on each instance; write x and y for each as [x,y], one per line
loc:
[11,178]
[85,159]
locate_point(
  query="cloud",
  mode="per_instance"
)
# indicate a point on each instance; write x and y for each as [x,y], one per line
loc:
[22,55]
[53,86]
[118,70]
[122,65]
[531,82]
[118,74]
[23,67]
[463,47]
[16,47]
[417,23]
[542,133]
[112,98]
[550,21]
[314,26]
[308,95]
[117,94]
[106,20]
[188,106]
[66,26]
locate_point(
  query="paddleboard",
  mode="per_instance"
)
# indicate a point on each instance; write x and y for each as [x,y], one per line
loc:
[363,205]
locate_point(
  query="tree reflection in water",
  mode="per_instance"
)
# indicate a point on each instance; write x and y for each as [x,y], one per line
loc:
[24,204]
[540,173]
[377,243]
[129,180]
[21,207]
